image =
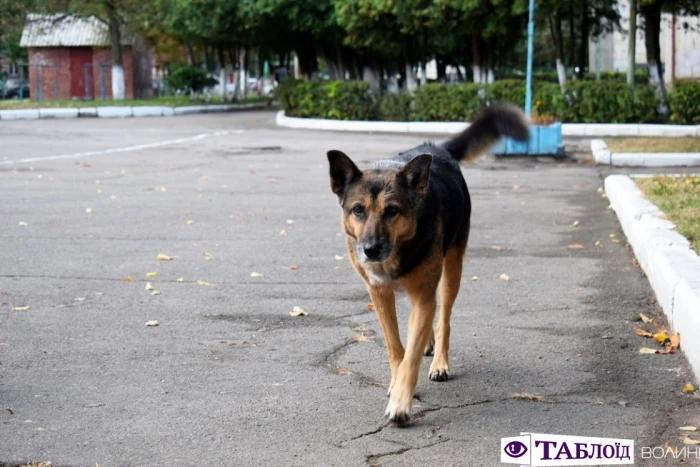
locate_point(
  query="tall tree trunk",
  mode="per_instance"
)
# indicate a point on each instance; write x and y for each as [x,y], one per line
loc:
[115,37]
[572,38]
[411,82]
[487,74]
[555,29]
[476,57]
[652,25]
[583,44]
[190,54]
[631,49]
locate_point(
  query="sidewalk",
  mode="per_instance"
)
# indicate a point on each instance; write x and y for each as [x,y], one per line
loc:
[228,377]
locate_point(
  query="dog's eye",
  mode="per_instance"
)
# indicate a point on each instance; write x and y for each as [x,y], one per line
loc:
[358,210]
[390,211]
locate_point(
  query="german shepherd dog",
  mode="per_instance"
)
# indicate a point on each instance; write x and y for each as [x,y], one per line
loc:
[406,222]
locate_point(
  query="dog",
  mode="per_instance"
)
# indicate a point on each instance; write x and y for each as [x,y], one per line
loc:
[406,222]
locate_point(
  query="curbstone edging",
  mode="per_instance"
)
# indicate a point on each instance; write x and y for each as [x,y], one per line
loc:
[568,129]
[672,267]
[58,113]
[19,114]
[602,155]
[114,112]
[90,112]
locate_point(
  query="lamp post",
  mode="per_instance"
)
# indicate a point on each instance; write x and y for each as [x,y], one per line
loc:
[530,38]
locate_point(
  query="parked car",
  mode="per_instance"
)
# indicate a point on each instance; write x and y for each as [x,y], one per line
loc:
[11,89]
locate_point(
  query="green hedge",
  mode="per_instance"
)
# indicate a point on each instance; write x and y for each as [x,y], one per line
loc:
[607,101]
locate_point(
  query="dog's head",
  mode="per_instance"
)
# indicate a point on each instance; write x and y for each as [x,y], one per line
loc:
[379,205]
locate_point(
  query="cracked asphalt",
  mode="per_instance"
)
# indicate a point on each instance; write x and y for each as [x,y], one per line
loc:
[229,377]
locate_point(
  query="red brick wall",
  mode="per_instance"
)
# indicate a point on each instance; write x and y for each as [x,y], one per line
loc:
[61,56]
[104,55]
[45,78]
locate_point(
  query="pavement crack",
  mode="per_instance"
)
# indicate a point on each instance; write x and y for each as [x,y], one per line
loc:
[373,459]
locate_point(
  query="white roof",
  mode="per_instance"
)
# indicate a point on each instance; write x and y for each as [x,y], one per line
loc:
[68,31]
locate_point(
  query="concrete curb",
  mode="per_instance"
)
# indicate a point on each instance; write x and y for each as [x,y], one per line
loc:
[672,267]
[568,129]
[122,111]
[603,156]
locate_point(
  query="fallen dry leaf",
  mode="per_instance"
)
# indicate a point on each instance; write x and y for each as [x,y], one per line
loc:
[690,441]
[661,337]
[20,308]
[180,279]
[290,221]
[291,268]
[597,403]
[129,279]
[597,243]
[338,257]
[23,224]
[152,323]
[504,277]
[615,240]
[647,350]
[611,235]
[575,246]
[672,345]
[528,397]
[152,274]
[642,332]
[516,187]
[343,371]
[688,428]
[88,210]
[575,224]
[476,278]
[149,286]
[688,388]
[496,247]
[283,233]
[362,338]
[645,318]
[162,257]
[203,283]
[297,311]
[255,274]
[370,306]
[207,256]
[271,180]
[358,329]
[155,292]
[189,222]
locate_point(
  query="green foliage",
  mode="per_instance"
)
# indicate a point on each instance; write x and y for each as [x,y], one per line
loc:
[582,102]
[684,100]
[187,78]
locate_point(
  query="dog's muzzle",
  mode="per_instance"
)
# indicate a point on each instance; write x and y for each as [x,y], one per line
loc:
[373,252]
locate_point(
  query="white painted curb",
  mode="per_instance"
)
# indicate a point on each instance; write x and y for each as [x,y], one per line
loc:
[672,267]
[122,111]
[603,156]
[568,129]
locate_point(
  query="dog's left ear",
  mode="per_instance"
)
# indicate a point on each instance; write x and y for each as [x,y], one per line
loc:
[343,172]
[417,173]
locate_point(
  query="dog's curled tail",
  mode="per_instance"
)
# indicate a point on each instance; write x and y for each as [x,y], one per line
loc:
[494,122]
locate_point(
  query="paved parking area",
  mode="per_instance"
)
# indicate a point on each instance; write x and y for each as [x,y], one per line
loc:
[229,377]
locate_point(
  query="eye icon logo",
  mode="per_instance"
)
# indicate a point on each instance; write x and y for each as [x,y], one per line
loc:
[515,449]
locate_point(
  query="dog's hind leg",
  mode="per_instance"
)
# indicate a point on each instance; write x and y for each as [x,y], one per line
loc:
[385,306]
[431,345]
[449,288]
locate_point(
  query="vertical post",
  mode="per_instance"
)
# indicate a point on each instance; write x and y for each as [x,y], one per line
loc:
[21,82]
[55,84]
[530,38]
[631,46]
[102,81]
[85,79]
[597,58]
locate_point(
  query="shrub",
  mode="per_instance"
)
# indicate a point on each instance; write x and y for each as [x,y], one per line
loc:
[440,102]
[609,102]
[188,78]
[339,100]
[396,107]
[684,100]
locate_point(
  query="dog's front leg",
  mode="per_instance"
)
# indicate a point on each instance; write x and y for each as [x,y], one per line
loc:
[385,306]
[420,327]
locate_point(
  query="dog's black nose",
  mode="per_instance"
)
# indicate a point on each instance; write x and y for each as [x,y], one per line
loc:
[372,250]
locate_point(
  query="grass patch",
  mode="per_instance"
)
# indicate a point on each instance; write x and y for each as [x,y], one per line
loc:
[683,144]
[679,199]
[168,101]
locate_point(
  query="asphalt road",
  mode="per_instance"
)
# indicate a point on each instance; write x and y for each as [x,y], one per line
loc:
[229,377]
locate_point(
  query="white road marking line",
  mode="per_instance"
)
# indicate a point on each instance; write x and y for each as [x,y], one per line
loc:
[137,147]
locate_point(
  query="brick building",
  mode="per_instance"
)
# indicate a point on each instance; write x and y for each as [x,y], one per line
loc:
[72,57]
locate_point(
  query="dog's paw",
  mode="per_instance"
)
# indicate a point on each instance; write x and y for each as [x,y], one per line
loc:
[399,408]
[439,372]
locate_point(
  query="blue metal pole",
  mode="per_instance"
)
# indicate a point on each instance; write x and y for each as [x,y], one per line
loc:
[530,37]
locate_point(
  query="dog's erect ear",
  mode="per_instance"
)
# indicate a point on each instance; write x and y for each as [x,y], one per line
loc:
[343,171]
[417,173]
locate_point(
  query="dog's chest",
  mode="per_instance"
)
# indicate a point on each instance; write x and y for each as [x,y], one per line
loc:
[379,276]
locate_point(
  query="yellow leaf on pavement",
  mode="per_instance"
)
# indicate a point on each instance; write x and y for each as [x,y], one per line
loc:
[344,371]
[290,221]
[283,233]
[645,318]
[688,428]
[370,306]
[688,388]
[643,333]
[152,323]
[207,256]
[189,222]
[149,286]
[255,274]
[575,224]
[151,274]
[690,441]
[203,283]
[528,397]
[496,247]
[297,311]
[647,350]
[162,257]
[661,337]
[476,278]
[180,279]
[575,246]
[20,308]
[338,257]
[362,338]
[155,292]
[504,277]
[129,279]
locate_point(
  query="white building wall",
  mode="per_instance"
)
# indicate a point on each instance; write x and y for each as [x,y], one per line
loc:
[612,50]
